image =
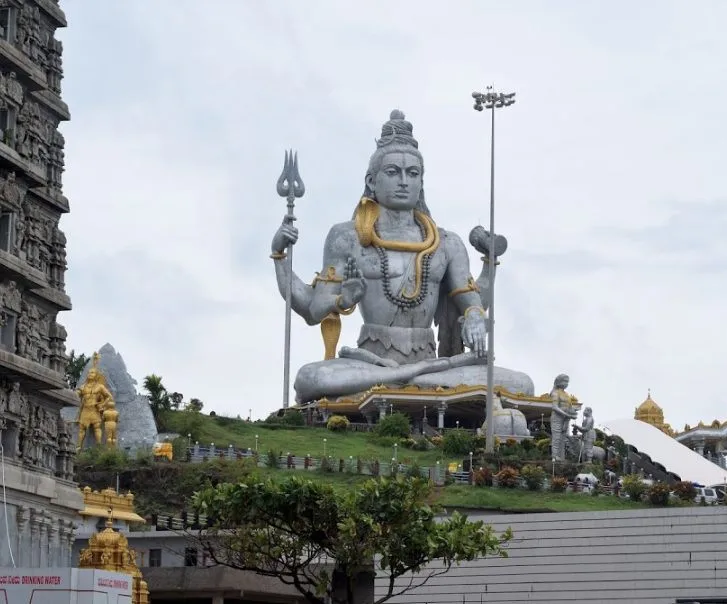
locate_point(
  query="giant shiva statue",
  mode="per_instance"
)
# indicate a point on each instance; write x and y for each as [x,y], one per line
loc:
[404,273]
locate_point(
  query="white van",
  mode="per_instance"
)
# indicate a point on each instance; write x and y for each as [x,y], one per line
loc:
[709,494]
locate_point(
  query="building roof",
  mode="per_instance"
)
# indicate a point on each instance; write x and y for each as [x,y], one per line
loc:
[108,503]
[667,451]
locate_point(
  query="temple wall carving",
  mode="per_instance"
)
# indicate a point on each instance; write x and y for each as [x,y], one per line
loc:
[29,328]
[34,435]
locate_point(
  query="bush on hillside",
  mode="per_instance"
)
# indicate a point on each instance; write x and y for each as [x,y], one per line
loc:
[338,423]
[534,476]
[559,484]
[458,442]
[102,458]
[395,425]
[293,418]
[685,490]
[273,459]
[658,493]
[634,486]
[482,477]
[507,477]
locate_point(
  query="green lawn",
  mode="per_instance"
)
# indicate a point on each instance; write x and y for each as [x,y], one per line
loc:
[465,496]
[303,441]
[518,499]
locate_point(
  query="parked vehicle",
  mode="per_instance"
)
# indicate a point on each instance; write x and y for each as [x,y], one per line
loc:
[709,494]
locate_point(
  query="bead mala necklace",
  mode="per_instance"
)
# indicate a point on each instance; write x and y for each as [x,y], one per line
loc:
[404,301]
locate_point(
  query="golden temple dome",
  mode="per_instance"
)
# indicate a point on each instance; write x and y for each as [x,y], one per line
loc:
[648,408]
[649,412]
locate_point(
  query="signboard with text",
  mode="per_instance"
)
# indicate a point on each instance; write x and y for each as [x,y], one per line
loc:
[63,586]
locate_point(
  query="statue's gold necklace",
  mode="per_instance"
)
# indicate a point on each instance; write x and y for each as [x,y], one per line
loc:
[367,214]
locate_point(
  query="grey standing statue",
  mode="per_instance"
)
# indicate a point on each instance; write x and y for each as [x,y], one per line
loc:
[404,273]
[563,411]
[587,429]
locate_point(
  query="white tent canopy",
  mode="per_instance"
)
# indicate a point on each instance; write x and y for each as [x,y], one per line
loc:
[668,452]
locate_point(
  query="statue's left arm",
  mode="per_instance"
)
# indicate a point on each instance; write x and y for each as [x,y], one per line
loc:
[465,294]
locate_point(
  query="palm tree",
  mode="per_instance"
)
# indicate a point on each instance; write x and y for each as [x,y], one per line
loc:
[159,399]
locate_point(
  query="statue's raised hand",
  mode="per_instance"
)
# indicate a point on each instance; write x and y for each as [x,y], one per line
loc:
[474,331]
[286,235]
[353,287]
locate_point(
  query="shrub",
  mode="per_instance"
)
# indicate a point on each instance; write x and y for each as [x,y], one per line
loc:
[437,441]
[409,443]
[558,484]
[414,470]
[685,490]
[458,442]
[527,444]
[293,418]
[395,424]
[543,446]
[482,477]
[634,486]
[326,465]
[507,477]
[273,459]
[534,476]
[338,423]
[658,493]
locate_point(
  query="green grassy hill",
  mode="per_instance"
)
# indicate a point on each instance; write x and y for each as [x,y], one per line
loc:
[164,487]
[225,431]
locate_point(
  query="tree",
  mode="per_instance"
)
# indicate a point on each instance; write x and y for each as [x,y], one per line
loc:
[74,368]
[195,404]
[159,399]
[176,399]
[286,529]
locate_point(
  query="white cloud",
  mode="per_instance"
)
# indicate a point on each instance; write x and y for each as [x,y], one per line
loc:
[181,111]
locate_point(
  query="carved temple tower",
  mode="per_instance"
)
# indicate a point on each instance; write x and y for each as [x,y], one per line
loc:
[40,499]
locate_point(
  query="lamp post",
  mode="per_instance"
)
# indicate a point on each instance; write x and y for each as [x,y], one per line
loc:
[491,100]
[325,440]
[256,441]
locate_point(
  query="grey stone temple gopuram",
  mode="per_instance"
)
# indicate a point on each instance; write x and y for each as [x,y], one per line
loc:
[40,500]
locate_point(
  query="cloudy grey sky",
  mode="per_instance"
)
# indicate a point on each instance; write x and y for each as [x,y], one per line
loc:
[610,180]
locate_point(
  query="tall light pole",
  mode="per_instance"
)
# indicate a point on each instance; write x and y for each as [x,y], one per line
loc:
[491,100]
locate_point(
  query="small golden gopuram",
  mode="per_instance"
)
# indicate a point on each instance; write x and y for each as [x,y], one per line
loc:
[97,410]
[109,550]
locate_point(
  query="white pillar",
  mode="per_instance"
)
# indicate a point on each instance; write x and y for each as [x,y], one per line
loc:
[440,419]
[382,409]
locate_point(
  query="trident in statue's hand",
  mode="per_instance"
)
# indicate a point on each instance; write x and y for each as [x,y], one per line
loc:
[289,186]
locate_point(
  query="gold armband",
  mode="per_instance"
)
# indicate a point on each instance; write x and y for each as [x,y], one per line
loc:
[470,287]
[479,309]
[486,260]
[340,310]
[278,255]
[330,276]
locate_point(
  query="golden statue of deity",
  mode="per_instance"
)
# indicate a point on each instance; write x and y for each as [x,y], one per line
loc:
[110,423]
[95,398]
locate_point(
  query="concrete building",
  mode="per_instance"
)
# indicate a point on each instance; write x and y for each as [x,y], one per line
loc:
[40,501]
[654,556]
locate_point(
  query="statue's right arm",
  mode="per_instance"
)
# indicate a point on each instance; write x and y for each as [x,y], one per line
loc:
[337,249]
[302,293]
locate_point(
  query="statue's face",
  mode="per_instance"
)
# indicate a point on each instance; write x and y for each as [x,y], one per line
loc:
[398,183]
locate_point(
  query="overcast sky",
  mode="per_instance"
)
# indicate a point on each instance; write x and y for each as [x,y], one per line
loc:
[611,182]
